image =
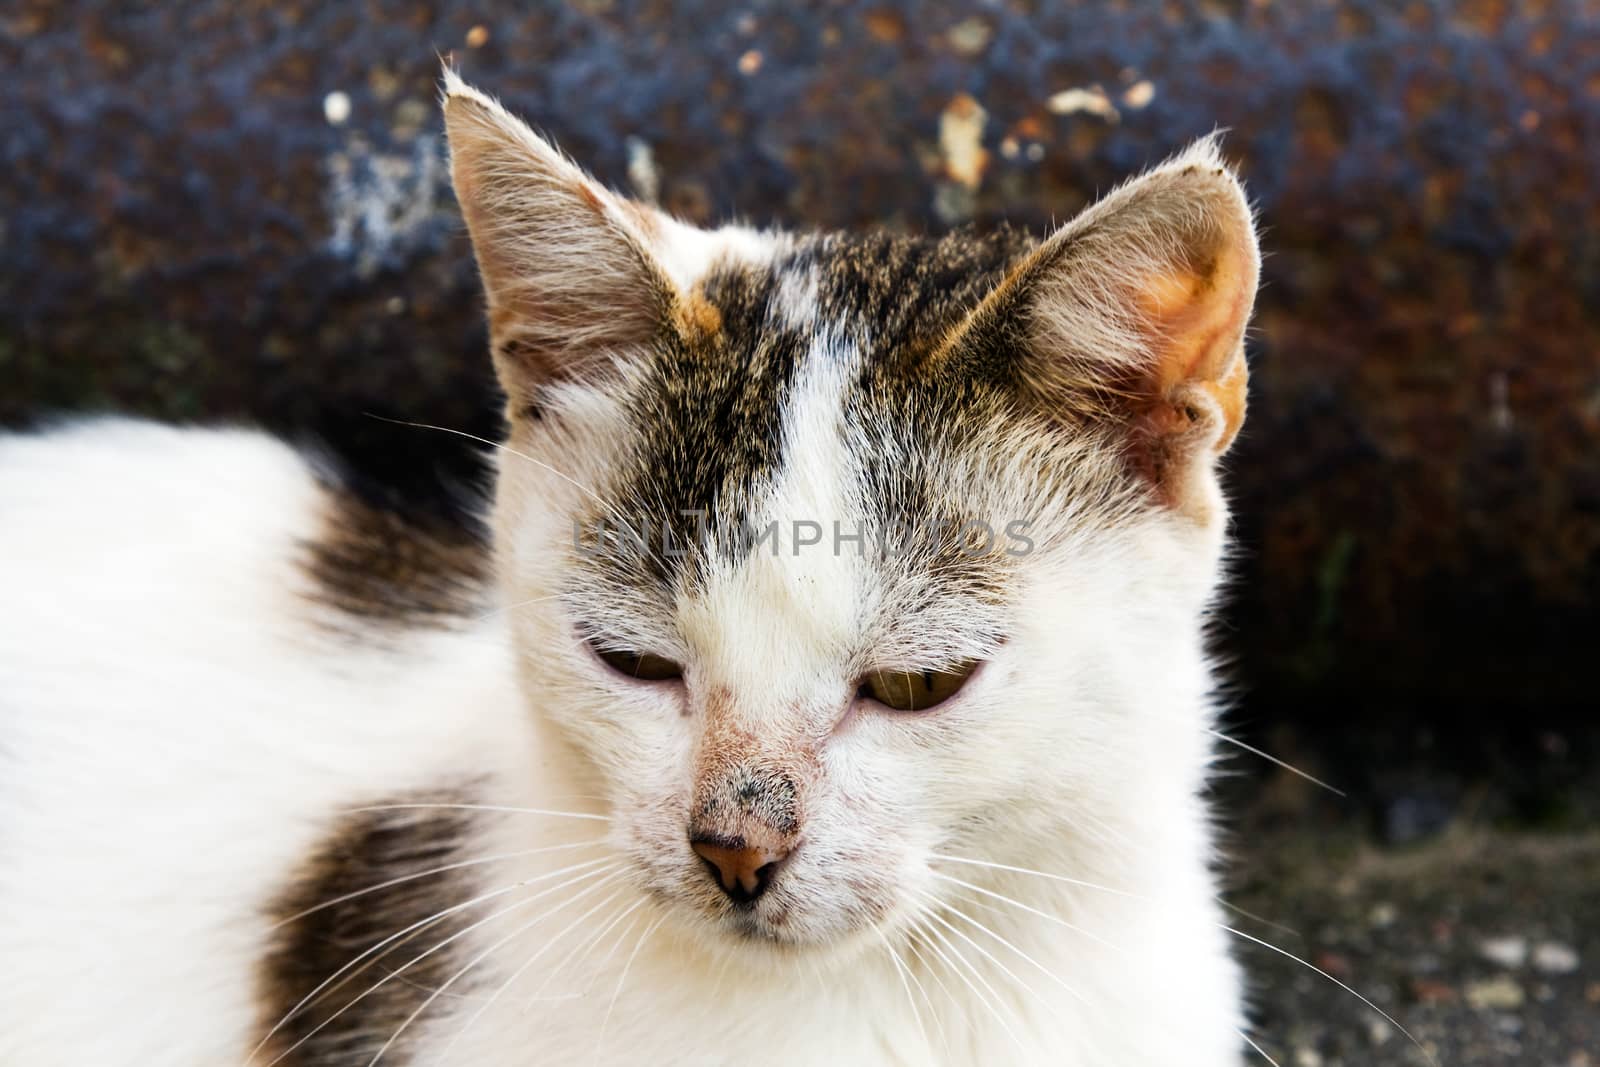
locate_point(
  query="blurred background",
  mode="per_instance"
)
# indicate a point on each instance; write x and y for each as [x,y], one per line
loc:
[226,211]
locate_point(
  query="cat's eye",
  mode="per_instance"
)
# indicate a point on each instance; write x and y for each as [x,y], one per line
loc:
[644,666]
[916,690]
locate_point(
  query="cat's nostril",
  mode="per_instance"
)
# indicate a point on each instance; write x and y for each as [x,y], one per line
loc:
[742,871]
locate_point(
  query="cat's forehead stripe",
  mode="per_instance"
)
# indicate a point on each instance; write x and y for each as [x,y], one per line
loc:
[712,412]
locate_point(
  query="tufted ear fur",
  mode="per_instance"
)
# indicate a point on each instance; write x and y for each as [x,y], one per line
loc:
[567,265]
[1133,315]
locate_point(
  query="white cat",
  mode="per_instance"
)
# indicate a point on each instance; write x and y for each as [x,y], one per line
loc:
[834,691]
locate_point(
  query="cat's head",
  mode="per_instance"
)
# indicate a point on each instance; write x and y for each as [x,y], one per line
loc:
[834,553]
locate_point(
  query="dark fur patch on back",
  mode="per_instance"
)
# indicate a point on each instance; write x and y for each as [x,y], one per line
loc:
[373,563]
[366,850]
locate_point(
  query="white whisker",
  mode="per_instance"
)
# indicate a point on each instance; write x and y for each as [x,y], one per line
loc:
[497,808]
[498,446]
[1304,963]
[395,937]
[600,1044]
[1038,874]
[1258,1048]
[933,974]
[993,1008]
[423,874]
[1041,967]
[1028,908]
[1270,758]
[622,935]
[486,953]
[1291,931]
[587,946]
[905,984]
[447,941]
[486,616]
[444,1056]
[1222,926]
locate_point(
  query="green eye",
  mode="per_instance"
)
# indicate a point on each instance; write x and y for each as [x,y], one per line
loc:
[644,666]
[916,690]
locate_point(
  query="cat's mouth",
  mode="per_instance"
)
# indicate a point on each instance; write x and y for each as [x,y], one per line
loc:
[795,919]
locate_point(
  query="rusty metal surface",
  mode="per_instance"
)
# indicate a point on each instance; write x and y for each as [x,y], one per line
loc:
[194,227]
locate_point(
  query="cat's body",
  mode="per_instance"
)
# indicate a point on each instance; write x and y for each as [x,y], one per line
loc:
[231,692]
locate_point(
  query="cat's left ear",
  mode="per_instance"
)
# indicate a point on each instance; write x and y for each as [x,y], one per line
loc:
[568,266]
[1131,319]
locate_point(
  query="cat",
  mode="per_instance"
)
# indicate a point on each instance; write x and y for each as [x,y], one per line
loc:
[830,687]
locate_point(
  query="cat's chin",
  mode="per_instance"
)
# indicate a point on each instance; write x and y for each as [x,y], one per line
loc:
[787,936]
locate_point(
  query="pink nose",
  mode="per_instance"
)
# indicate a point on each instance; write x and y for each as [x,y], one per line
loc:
[743,871]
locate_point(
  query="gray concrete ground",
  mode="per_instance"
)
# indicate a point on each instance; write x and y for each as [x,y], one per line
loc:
[1483,944]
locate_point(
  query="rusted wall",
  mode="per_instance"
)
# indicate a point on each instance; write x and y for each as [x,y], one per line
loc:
[193,228]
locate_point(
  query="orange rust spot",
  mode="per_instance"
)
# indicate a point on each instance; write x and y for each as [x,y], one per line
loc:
[886,25]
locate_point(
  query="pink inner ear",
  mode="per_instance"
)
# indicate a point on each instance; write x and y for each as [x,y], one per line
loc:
[1196,321]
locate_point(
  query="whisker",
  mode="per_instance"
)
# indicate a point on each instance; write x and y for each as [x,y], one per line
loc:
[391,976]
[1258,1048]
[623,977]
[444,1056]
[1222,926]
[1304,963]
[486,616]
[933,973]
[503,448]
[1027,908]
[1108,834]
[585,873]
[1037,874]
[905,984]
[986,954]
[1291,931]
[486,953]
[423,874]
[1237,933]
[1270,758]
[394,937]
[589,945]
[498,808]
[992,1008]
[626,932]
[1041,967]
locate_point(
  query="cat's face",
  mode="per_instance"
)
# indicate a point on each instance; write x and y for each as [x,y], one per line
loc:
[832,554]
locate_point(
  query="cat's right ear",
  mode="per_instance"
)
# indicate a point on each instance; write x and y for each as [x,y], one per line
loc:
[566,264]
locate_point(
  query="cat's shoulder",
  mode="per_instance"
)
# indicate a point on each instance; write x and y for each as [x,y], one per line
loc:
[194,521]
[113,495]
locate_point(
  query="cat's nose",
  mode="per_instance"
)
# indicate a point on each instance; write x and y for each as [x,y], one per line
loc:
[743,871]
